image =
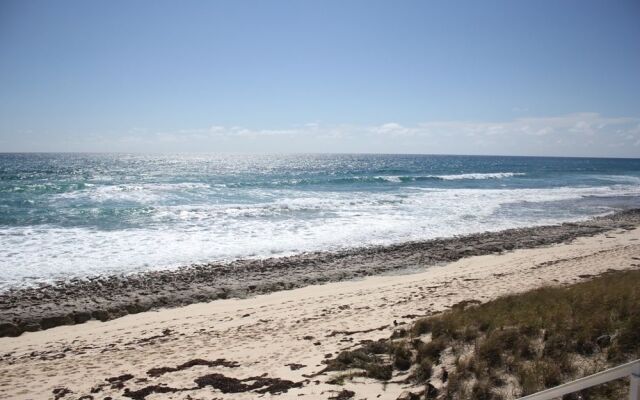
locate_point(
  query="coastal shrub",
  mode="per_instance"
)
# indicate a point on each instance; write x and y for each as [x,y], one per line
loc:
[499,344]
[362,359]
[421,326]
[551,373]
[628,341]
[377,347]
[381,372]
[538,375]
[481,390]
[529,380]
[340,379]
[423,371]
[522,343]
[464,366]
[352,359]
[431,351]
[496,380]
[402,357]
[470,333]
[454,386]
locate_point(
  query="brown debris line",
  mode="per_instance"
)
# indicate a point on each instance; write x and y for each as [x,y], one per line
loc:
[121,378]
[117,382]
[104,298]
[295,366]
[344,394]
[142,394]
[261,384]
[59,393]
[220,362]
[150,340]
[225,384]
[349,333]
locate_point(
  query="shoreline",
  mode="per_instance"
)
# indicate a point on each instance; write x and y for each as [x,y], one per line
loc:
[282,338]
[105,298]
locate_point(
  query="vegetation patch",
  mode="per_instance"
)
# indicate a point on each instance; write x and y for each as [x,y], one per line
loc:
[515,345]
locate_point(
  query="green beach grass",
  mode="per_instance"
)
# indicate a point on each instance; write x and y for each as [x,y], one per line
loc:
[512,346]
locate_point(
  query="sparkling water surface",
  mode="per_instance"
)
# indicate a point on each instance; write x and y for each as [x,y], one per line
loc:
[79,215]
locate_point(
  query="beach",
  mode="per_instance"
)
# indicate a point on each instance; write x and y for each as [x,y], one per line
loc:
[274,344]
[331,200]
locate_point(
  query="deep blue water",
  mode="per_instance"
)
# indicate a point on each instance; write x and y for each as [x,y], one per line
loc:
[67,215]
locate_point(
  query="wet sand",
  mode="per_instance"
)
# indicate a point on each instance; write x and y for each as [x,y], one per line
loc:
[106,298]
[274,344]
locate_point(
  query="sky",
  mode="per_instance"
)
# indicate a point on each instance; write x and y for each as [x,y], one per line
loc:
[558,78]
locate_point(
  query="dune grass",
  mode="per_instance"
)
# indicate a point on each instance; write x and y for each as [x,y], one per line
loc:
[515,345]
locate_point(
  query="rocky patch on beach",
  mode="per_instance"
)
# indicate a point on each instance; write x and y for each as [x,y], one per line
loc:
[104,298]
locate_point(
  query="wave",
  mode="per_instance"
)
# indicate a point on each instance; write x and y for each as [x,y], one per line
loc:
[628,179]
[491,175]
[453,177]
[145,192]
[411,178]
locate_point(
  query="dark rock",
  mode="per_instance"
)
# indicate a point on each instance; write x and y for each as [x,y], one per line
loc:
[117,312]
[101,315]
[136,308]
[9,329]
[80,317]
[29,326]
[52,322]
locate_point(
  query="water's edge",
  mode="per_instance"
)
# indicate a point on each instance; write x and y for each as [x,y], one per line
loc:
[105,298]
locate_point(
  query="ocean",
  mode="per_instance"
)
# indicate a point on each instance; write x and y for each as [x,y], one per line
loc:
[65,216]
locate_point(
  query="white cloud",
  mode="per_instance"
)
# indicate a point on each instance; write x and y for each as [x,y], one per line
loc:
[570,134]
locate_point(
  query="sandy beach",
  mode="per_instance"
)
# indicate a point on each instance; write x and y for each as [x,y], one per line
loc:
[279,340]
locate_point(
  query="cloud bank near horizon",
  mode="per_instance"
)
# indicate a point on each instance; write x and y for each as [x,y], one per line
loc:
[577,134]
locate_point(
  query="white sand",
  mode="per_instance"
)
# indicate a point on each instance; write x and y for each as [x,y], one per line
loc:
[265,333]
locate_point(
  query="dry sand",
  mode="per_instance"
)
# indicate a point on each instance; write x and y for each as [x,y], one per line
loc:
[267,334]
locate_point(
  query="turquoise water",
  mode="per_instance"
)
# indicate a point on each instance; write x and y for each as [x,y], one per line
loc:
[76,215]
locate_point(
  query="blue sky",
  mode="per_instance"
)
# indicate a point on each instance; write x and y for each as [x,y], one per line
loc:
[467,77]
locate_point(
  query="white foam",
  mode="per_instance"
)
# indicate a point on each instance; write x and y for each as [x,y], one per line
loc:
[455,177]
[286,222]
[493,175]
[619,178]
[390,178]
